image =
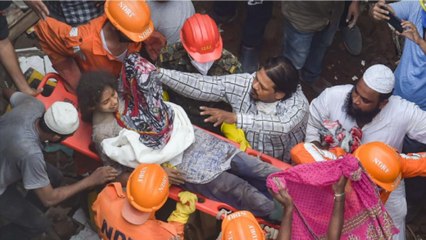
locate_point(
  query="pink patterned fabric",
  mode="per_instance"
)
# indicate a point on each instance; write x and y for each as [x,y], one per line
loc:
[310,186]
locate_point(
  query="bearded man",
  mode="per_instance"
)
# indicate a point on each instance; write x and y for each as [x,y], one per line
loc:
[370,106]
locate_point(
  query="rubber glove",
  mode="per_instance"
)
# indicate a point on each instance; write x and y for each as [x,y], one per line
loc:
[184,207]
[235,134]
[166,96]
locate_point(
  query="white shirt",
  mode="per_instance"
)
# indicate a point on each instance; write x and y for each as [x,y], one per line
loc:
[398,118]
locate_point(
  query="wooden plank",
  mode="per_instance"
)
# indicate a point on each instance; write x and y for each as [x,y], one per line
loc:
[25,21]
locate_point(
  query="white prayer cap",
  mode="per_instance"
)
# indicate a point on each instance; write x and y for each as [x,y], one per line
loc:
[62,118]
[379,78]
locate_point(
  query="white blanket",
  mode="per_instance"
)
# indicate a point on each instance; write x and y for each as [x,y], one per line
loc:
[127,150]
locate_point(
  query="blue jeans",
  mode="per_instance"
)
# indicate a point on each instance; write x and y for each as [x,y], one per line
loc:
[307,50]
[243,186]
[257,17]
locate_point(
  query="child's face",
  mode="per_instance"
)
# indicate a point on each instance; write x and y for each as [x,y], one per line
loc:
[109,101]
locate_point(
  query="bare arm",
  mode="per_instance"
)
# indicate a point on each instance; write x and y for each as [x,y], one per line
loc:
[38,7]
[353,13]
[285,199]
[381,10]
[411,32]
[50,196]
[7,93]
[336,222]
[10,62]
[285,228]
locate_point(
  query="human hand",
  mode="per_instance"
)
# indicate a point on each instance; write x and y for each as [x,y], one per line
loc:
[410,31]
[38,7]
[231,132]
[218,116]
[381,11]
[184,207]
[282,196]
[175,176]
[324,146]
[31,91]
[339,186]
[187,201]
[154,44]
[102,175]
[353,14]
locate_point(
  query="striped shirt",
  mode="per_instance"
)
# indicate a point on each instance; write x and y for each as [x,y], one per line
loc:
[273,134]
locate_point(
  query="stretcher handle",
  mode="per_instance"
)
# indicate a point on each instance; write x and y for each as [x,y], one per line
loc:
[212,207]
[47,77]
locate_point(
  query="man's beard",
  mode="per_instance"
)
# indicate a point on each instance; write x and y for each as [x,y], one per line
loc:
[358,114]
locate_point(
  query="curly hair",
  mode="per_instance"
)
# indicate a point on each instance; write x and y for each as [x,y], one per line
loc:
[90,89]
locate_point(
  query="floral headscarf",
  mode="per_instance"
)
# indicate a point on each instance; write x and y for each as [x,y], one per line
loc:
[145,111]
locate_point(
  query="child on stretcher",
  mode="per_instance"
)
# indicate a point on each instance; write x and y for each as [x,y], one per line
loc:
[133,125]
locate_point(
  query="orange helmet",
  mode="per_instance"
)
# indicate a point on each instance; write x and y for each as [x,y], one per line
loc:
[382,163]
[241,225]
[132,18]
[201,38]
[147,191]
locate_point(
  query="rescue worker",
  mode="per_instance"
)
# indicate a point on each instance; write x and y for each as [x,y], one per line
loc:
[22,134]
[386,167]
[102,43]
[130,215]
[241,225]
[200,51]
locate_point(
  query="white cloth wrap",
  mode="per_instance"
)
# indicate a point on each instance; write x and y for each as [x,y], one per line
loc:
[127,150]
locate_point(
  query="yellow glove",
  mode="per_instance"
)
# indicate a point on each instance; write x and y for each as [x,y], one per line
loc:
[166,96]
[235,134]
[184,207]
[168,165]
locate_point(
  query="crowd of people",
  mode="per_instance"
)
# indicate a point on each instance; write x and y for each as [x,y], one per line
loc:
[148,75]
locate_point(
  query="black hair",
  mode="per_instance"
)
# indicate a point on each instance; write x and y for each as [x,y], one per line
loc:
[43,126]
[284,75]
[385,96]
[89,91]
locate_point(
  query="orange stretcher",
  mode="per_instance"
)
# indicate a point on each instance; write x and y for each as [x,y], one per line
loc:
[81,141]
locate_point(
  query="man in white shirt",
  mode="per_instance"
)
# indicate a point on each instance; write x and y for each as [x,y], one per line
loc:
[381,117]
